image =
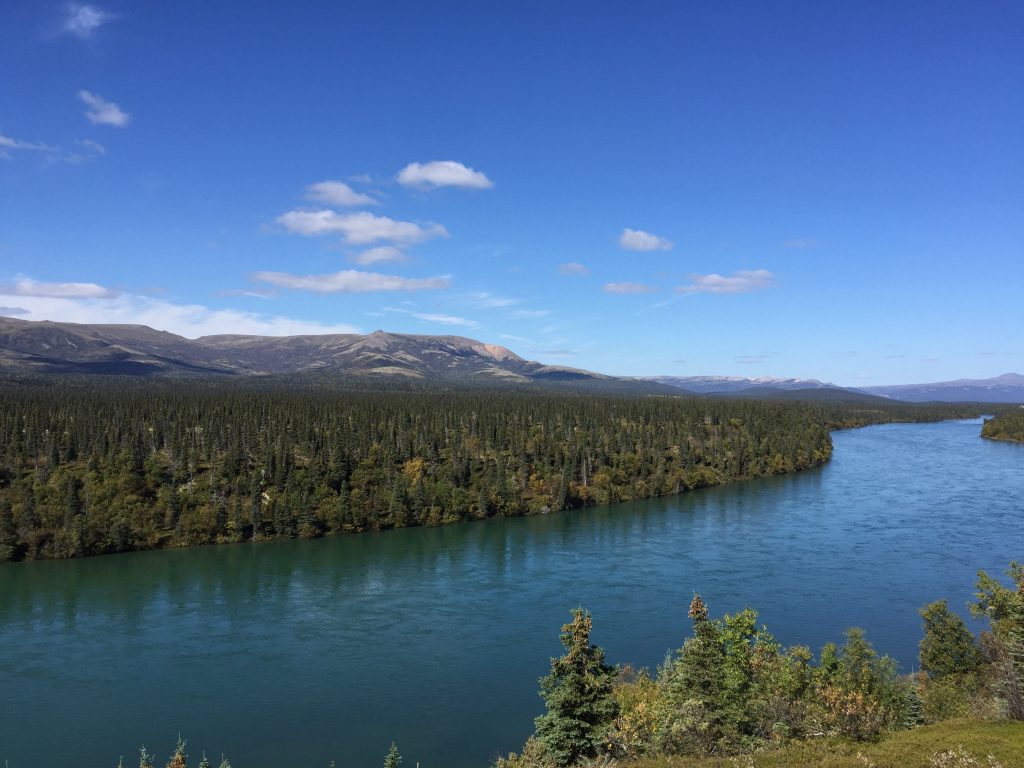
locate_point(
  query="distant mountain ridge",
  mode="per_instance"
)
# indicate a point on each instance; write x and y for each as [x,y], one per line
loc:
[1008,388]
[39,347]
[28,346]
[730,384]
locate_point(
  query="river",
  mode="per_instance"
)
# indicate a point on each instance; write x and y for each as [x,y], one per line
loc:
[291,654]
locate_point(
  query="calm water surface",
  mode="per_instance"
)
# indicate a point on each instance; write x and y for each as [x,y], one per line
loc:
[291,654]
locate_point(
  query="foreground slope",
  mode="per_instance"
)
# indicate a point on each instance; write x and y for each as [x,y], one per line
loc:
[917,748]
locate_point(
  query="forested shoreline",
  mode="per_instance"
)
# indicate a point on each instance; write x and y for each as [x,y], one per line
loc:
[1006,425]
[91,468]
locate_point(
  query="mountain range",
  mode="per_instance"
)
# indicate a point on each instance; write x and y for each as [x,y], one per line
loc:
[48,347]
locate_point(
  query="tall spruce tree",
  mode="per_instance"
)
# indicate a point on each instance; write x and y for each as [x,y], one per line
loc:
[578,694]
[392,758]
[948,647]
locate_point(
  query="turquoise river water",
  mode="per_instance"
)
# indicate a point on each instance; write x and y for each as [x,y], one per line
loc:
[291,654]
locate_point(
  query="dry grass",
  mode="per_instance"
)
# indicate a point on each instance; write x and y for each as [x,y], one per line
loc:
[906,749]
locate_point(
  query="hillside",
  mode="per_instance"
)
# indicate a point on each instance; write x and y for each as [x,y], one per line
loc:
[137,350]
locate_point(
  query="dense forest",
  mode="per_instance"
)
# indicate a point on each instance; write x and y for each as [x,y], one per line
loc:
[1006,425]
[732,689]
[123,465]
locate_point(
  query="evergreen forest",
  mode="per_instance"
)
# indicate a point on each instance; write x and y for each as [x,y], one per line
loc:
[90,468]
[1006,425]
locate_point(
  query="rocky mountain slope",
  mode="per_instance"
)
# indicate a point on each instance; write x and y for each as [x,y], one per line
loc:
[41,347]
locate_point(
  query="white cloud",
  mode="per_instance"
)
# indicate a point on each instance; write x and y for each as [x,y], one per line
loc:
[82,20]
[628,288]
[24,286]
[352,281]
[572,268]
[434,318]
[742,281]
[638,240]
[445,319]
[338,193]
[532,314]
[189,320]
[358,228]
[443,173]
[103,112]
[380,255]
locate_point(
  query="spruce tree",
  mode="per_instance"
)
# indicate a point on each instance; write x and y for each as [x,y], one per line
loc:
[392,758]
[948,647]
[578,694]
[695,686]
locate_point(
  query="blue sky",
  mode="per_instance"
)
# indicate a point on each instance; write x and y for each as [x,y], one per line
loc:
[828,190]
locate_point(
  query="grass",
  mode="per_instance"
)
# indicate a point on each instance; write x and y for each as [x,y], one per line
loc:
[904,749]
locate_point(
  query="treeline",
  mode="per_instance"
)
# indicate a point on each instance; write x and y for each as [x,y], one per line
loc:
[1006,425]
[732,689]
[88,469]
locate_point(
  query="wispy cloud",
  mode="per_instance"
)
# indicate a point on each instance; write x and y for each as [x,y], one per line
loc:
[443,173]
[82,20]
[91,147]
[8,144]
[445,319]
[338,193]
[189,320]
[510,337]
[249,293]
[800,242]
[572,268]
[352,281]
[486,300]
[12,311]
[429,317]
[103,112]
[531,314]
[380,255]
[88,149]
[638,240]
[742,281]
[24,286]
[359,228]
[628,288]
